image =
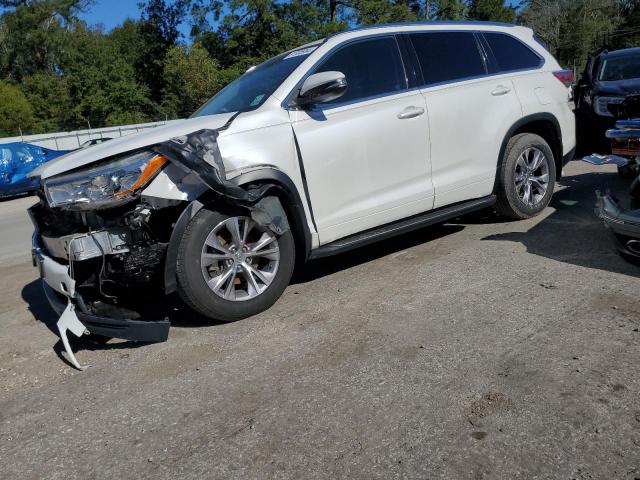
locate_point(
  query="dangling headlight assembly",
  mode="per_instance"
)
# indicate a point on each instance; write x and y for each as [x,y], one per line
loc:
[106,185]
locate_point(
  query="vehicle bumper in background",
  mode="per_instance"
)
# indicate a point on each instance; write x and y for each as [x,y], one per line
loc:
[60,290]
[624,224]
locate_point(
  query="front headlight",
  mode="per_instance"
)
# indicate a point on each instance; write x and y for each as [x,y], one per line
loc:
[106,185]
[601,105]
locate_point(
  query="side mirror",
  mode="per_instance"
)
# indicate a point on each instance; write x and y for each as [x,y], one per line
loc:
[321,88]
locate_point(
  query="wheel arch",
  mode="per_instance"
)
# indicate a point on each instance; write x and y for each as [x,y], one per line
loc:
[544,124]
[289,197]
[283,188]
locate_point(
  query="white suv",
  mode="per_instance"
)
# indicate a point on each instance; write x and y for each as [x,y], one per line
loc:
[363,135]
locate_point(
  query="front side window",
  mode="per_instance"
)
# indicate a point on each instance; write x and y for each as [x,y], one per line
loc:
[511,54]
[620,68]
[448,56]
[371,67]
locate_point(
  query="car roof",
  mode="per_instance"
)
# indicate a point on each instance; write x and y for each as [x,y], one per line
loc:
[622,53]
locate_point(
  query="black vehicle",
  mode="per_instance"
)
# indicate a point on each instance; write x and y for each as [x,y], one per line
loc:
[608,79]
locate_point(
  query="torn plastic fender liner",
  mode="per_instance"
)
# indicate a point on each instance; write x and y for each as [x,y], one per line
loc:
[198,152]
[269,212]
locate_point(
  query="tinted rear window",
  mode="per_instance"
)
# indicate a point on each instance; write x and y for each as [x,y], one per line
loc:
[447,56]
[511,54]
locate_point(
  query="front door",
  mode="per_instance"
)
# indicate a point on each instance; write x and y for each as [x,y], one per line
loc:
[366,156]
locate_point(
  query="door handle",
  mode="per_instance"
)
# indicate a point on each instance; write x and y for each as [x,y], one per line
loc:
[500,90]
[410,112]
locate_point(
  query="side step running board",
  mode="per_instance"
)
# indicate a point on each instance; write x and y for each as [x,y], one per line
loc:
[402,226]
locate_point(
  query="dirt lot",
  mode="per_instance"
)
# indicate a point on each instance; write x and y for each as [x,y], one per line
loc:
[480,349]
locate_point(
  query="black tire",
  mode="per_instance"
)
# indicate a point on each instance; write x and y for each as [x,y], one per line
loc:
[509,204]
[193,288]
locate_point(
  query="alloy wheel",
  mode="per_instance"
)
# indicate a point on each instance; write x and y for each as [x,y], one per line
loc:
[532,176]
[239,259]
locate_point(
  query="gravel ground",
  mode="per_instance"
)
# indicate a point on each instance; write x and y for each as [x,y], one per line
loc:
[477,349]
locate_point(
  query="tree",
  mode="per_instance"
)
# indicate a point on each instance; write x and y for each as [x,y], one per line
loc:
[253,30]
[33,34]
[627,33]
[491,10]
[384,11]
[101,84]
[15,112]
[547,18]
[49,96]
[159,32]
[192,77]
[450,9]
[573,29]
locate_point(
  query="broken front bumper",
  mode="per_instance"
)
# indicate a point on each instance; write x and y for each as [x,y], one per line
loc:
[60,290]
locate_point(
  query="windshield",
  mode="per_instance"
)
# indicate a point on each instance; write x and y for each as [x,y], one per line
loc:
[250,90]
[620,68]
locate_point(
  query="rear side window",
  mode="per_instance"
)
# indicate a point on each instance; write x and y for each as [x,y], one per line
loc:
[371,67]
[511,54]
[448,56]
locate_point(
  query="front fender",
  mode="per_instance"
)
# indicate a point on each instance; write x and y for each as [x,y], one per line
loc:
[273,182]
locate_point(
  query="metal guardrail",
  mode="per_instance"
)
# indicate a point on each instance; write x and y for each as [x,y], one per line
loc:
[74,139]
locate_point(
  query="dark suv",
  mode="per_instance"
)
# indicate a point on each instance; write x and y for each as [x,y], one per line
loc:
[608,78]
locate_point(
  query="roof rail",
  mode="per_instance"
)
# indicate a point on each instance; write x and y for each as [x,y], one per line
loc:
[424,23]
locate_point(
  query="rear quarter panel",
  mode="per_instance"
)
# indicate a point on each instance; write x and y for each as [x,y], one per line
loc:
[541,92]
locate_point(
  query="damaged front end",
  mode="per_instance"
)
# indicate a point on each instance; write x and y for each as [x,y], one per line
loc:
[104,247]
[100,250]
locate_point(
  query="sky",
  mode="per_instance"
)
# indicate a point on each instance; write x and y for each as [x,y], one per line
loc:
[111,13]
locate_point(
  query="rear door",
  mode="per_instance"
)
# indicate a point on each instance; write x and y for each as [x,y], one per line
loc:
[366,156]
[538,90]
[469,111]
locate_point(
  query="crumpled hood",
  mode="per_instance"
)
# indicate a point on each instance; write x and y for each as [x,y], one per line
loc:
[153,136]
[618,88]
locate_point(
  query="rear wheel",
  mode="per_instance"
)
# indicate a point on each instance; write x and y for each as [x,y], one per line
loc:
[229,267]
[526,177]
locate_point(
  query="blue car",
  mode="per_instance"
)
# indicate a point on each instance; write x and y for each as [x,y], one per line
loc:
[16,161]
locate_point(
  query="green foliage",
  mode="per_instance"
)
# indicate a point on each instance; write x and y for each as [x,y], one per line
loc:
[450,9]
[100,83]
[575,28]
[57,73]
[191,77]
[491,10]
[382,11]
[48,94]
[15,111]
[158,32]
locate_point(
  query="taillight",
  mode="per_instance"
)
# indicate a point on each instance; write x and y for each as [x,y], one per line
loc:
[565,76]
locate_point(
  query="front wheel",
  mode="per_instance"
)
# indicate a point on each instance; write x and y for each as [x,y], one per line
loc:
[230,267]
[526,178]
